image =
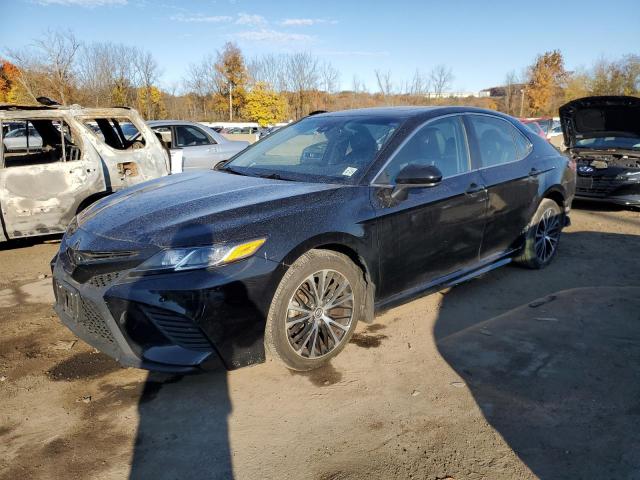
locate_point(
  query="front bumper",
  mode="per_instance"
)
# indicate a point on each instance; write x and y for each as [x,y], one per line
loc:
[611,189]
[177,322]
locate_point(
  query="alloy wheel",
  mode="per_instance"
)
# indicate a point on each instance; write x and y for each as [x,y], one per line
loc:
[547,235]
[319,314]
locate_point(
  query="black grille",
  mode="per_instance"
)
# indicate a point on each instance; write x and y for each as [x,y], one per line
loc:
[89,317]
[104,280]
[597,186]
[180,330]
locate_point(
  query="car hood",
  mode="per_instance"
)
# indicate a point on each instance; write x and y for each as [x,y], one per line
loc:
[600,117]
[198,208]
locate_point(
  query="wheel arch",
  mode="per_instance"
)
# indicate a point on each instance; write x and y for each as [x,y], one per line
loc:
[94,197]
[347,245]
[557,194]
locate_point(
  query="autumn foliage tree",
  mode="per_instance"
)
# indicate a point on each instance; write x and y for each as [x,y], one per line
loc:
[8,82]
[231,79]
[151,102]
[546,79]
[264,105]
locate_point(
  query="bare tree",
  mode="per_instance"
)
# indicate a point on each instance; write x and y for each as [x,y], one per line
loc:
[269,69]
[202,81]
[60,49]
[147,72]
[511,93]
[110,73]
[329,77]
[420,84]
[302,74]
[47,66]
[441,78]
[385,84]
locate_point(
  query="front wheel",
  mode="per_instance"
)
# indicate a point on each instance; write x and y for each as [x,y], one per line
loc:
[315,310]
[542,236]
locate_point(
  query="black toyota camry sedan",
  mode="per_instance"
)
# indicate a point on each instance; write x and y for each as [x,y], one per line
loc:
[310,230]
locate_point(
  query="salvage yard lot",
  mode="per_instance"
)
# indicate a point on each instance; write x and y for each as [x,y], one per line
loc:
[523,374]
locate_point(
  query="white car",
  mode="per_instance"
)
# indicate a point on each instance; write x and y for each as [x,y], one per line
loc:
[17,140]
[193,145]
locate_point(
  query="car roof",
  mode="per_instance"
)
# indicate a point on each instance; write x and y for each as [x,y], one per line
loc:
[161,123]
[12,107]
[407,112]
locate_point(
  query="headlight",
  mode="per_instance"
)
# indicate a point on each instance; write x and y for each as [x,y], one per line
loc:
[630,175]
[179,259]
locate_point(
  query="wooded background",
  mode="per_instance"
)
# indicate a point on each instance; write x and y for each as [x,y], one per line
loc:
[277,87]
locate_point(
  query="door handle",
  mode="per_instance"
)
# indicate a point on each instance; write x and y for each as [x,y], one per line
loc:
[534,172]
[474,188]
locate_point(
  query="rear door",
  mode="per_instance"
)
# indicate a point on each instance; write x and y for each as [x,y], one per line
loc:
[40,191]
[437,230]
[503,155]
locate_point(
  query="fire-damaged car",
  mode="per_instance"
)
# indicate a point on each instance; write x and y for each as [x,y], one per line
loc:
[57,160]
[603,137]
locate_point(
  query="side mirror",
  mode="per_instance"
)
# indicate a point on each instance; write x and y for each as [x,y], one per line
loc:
[415,176]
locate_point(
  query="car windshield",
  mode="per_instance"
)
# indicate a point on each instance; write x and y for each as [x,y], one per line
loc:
[605,143]
[318,149]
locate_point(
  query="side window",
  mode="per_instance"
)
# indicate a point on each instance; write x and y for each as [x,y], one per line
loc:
[38,141]
[164,134]
[523,145]
[441,143]
[119,133]
[187,136]
[496,140]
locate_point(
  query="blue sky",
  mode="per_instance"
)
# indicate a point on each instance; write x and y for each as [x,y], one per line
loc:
[481,41]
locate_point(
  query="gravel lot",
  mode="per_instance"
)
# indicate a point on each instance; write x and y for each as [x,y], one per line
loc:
[519,374]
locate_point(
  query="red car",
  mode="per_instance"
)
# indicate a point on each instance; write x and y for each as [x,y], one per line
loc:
[535,127]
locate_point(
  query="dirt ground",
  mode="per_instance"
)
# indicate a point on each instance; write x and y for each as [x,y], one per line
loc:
[518,374]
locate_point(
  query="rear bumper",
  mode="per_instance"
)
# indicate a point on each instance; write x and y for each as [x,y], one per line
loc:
[178,322]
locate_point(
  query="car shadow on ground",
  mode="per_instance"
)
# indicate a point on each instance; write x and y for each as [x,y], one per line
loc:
[183,427]
[554,364]
[183,421]
[18,243]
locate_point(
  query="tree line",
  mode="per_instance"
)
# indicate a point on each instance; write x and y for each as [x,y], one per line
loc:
[226,85]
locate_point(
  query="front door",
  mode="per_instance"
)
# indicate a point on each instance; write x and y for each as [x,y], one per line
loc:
[436,230]
[199,152]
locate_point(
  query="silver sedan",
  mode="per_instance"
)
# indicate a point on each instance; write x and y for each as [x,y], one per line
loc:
[194,146]
[18,140]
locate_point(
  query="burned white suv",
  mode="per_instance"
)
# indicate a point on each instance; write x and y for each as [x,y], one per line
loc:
[69,157]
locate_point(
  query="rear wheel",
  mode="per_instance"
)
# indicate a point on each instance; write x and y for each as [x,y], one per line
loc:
[314,310]
[542,236]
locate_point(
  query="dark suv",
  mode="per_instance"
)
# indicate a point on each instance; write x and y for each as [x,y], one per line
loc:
[315,227]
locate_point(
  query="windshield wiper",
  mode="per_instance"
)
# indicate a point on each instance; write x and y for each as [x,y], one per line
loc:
[233,171]
[273,176]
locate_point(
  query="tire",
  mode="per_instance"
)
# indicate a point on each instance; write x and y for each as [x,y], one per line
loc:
[299,331]
[542,236]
